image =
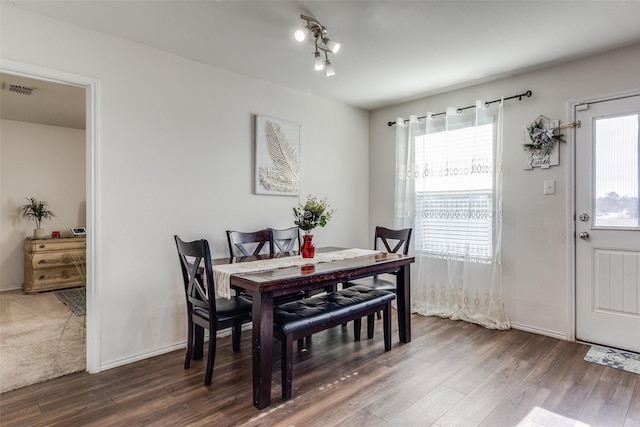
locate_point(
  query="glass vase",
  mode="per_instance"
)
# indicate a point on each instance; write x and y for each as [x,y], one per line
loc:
[308,248]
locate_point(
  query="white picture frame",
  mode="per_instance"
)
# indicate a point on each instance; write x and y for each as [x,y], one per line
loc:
[277,156]
[78,231]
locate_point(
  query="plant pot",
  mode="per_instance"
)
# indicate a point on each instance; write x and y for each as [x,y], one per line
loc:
[308,248]
[38,233]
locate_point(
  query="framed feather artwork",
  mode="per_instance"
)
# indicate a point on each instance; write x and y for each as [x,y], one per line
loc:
[277,157]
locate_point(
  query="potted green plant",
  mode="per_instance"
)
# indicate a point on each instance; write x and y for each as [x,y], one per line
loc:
[314,213]
[36,210]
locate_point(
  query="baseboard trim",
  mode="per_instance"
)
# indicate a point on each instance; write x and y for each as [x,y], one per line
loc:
[18,287]
[178,346]
[540,331]
[142,356]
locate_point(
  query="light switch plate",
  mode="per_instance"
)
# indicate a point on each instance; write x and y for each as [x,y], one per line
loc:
[549,186]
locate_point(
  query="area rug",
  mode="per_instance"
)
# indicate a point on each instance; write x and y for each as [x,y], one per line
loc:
[74,299]
[614,358]
[40,339]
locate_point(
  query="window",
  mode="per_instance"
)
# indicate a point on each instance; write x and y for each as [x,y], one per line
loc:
[454,195]
[616,171]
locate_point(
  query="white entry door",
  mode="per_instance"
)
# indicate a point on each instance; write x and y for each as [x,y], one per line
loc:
[607,227]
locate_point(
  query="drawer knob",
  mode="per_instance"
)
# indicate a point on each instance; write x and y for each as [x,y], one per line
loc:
[43,246]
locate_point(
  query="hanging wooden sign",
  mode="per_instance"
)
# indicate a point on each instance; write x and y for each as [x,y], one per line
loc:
[541,143]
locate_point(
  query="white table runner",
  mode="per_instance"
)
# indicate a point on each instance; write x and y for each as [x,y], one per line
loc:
[222,273]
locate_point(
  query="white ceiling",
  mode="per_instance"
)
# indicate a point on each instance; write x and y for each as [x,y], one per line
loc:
[392,51]
[50,103]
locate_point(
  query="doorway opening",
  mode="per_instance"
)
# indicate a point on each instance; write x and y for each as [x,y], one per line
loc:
[89,89]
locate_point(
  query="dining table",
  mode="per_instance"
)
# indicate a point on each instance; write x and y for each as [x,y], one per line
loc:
[307,275]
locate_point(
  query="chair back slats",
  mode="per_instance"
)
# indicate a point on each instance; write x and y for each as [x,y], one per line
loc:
[393,240]
[192,257]
[287,240]
[248,243]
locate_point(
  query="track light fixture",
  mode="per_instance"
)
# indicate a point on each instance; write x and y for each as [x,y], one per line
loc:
[321,42]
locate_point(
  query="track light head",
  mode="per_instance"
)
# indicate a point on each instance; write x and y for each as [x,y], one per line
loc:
[319,63]
[329,71]
[334,47]
[301,34]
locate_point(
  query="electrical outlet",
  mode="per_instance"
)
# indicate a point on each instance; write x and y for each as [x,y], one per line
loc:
[550,186]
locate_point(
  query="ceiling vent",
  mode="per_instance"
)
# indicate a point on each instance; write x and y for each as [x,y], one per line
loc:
[22,90]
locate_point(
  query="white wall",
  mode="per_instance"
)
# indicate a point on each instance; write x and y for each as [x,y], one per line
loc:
[535,227]
[175,156]
[44,162]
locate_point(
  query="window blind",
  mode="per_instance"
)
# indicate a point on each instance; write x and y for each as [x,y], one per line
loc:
[454,202]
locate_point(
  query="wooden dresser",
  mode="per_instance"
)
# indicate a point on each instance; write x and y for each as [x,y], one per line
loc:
[51,263]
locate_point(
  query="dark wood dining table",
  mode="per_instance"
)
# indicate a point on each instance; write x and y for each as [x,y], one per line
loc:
[263,286]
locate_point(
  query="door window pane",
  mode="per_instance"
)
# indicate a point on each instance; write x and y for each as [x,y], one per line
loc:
[616,171]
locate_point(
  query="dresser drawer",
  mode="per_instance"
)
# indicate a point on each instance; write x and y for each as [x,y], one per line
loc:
[51,279]
[57,275]
[57,259]
[53,245]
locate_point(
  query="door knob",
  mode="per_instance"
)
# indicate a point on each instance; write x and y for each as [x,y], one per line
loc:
[584,235]
[584,217]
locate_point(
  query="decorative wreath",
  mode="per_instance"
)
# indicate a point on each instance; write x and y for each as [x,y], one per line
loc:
[542,138]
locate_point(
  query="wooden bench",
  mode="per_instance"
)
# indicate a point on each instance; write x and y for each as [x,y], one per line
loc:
[299,319]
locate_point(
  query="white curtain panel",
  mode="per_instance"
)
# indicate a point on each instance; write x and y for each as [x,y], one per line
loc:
[449,190]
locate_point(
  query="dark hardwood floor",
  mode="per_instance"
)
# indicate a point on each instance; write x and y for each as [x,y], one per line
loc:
[451,374]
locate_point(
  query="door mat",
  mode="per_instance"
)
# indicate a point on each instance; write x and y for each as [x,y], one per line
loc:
[74,299]
[614,358]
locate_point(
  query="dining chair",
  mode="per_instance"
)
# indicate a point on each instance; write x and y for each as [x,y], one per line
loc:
[251,243]
[393,241]
[248,243]
[204,310]
[287,240]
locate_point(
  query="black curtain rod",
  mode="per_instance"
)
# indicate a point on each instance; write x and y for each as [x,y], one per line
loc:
[519,96]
